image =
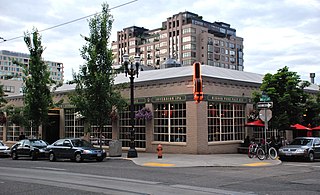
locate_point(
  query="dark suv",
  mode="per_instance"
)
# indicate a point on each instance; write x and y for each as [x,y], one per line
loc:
[34,148]
[301,147]
[75,149]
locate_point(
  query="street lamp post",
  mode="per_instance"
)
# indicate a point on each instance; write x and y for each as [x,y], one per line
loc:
[132,71]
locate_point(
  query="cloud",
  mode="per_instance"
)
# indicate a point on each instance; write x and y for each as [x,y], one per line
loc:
[276,33]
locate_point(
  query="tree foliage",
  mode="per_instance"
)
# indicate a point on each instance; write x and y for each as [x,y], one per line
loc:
[286,91]
[95,95]
[37,82]
[2,100]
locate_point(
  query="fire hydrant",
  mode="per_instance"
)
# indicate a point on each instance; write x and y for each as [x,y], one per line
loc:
[159,150]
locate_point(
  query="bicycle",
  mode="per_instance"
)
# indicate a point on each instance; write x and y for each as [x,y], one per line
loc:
[270,153]
[255,150]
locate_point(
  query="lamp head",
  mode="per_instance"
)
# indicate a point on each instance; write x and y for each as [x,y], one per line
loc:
[137,63]
[126,63]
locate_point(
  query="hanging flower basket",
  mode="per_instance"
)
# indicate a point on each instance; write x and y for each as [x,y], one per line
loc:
[144,113]
[253,115]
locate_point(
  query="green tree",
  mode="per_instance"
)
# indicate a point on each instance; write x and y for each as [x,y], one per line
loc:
[95,95]
[37,83]
[2,100]
[311,114]
[2,103]
[286,91]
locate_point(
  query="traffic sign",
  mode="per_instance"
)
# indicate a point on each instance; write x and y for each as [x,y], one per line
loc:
[265,99]
[263,105]
[265,114]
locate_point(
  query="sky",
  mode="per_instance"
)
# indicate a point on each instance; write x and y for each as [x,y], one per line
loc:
[276,33]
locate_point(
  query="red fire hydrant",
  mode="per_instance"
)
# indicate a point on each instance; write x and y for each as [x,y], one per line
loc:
[159,150]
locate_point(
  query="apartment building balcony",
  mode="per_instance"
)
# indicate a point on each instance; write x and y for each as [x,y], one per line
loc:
[216,57]
[216,50]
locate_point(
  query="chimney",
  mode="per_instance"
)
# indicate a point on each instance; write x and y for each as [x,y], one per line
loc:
[312,76]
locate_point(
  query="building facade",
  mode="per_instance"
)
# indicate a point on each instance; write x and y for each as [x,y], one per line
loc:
[8,68]
[215,125]
[185,37]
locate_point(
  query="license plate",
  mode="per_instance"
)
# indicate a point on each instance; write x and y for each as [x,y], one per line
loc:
[99,154]
[288,154]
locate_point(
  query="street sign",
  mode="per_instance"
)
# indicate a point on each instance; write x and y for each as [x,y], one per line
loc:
[265,99]
[265,114]
[263,105]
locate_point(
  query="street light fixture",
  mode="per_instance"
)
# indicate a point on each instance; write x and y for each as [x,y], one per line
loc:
[132,70]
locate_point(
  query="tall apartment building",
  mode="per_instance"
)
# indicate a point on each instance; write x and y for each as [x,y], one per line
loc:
[185,37]
[8,68]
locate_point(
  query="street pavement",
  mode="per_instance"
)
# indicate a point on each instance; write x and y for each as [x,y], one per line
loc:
[192,160]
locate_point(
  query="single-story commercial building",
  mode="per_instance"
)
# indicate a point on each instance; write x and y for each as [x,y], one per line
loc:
[215,125]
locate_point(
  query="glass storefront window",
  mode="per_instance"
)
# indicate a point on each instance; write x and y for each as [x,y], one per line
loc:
[72,126]
[226,121]
[13,132]
[170,122]
[125,127]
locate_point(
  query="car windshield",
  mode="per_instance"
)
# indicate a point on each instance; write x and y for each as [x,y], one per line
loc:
[37,143]
[302,142]
[81,143]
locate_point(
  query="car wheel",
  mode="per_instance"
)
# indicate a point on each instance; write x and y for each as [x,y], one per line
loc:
[99,159]
[78,157]
[34,155]
[311,157]
[14,156]
[52,157]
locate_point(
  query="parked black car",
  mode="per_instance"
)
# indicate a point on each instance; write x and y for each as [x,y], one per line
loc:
[301,147]
[34,148]
[75,149]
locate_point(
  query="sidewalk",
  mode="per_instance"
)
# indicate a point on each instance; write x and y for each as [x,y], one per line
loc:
[189,160]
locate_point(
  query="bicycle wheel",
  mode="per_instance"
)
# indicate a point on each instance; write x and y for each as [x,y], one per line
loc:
[273,153]
[261,154]
[251,151]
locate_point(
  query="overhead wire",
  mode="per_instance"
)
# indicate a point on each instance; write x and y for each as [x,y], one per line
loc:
[65,23]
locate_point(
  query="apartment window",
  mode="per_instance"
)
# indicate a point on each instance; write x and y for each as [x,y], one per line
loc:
[189,46]
[132,50]
[125,128]
[188,30]
[170,122]
[132,43]
[225,121]
[233,53]
[186,54]
[162,36]
[216,42]
[226,52]
[187,62]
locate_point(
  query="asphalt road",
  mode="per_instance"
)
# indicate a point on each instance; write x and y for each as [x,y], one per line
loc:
[124,177]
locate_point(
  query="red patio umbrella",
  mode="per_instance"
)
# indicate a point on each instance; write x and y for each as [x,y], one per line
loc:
[256,123]
[316,128]
[299,127]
